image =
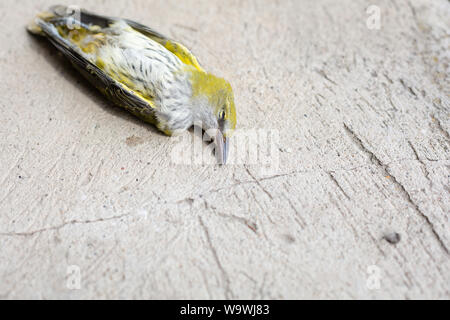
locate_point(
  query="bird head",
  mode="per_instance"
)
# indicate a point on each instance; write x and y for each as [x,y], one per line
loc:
[213,106]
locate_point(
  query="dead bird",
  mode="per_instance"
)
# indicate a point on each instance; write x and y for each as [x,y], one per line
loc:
[155,78]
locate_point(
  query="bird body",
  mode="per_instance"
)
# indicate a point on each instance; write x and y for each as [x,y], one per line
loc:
[153,77]
[150,70]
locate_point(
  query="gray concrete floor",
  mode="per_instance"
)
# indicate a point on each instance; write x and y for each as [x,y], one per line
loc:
[93,205]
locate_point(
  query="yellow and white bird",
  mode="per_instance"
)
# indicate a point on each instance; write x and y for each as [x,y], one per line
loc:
[155,78]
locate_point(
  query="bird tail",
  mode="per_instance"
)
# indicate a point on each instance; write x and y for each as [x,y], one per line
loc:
[70,17]
[35,26]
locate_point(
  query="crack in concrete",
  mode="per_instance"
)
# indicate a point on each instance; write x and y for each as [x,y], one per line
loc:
[248,223]
[259,183]
[408,88]
[441,128]
[333,178]
[384,167]
[282,175]
[225,277]
[325,76]
[58,227]
[424,167]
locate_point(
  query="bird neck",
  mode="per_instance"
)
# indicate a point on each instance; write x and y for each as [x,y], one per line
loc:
[203,113]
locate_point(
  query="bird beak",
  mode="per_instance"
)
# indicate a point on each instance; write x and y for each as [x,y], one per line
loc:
[221,147]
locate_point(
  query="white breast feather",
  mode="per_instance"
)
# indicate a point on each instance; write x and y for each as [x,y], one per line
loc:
[145,62]
[152,70]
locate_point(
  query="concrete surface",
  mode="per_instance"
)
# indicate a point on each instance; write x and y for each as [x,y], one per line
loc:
[357,208]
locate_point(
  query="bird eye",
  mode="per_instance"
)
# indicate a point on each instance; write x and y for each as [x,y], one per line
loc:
[222,115]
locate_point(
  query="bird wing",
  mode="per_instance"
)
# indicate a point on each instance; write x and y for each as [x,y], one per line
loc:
[183,53]
[116,91]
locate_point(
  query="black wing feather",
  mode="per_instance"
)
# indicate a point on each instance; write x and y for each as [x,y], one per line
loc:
[89,18]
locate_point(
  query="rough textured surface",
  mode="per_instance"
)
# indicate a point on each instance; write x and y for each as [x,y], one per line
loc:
[361,191]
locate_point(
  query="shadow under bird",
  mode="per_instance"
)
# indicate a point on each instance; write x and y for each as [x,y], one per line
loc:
[155,78]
